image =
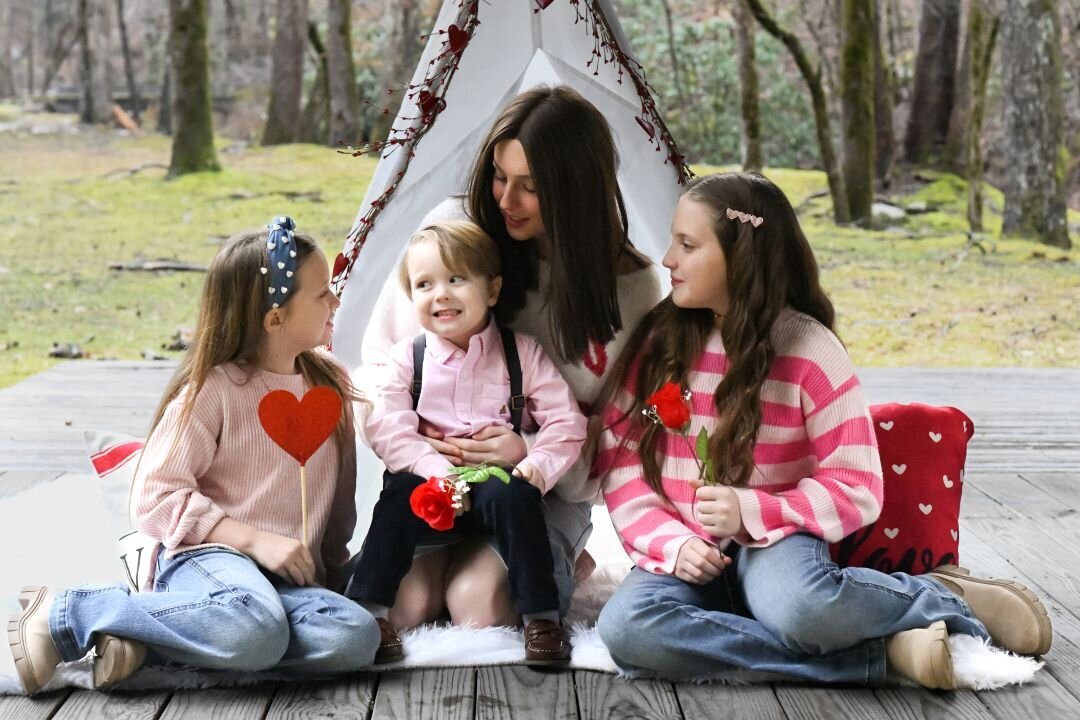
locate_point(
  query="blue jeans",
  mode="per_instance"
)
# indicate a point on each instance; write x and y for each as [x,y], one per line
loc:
[811,619]
[216,609]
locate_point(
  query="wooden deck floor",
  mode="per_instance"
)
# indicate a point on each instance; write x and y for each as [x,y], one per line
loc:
[1020,519]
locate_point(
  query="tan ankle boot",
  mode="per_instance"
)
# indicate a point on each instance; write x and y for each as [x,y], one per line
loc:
[32,647]
[1013,616]
[115,659]
[922,656]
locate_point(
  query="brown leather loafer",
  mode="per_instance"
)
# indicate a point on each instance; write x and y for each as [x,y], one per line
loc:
[546,643]
[391,648]
[32,647]
[1012,614]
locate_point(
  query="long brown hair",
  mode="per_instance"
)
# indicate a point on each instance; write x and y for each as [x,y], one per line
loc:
[573,161]
[769,268]
[230,326]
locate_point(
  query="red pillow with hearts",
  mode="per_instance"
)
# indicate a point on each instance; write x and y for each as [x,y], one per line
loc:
[923,449]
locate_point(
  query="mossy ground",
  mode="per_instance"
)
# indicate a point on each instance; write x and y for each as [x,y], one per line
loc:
[914,295]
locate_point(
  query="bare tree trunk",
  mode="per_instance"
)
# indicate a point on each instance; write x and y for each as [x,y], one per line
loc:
[885,141]
[287,73]
[406,32]
[1031,81]
[60,39]
[812,77]
[164,119]
[981,49]
[129,70]
[193,136]
[7,74]
[935,81]
[857,81]
[315,118]
[341,73]
[750,136]
[31,48]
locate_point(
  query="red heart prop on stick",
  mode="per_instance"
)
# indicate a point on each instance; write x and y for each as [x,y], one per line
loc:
[340,263]
[300,427]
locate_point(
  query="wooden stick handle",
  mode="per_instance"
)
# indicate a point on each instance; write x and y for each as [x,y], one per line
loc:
[303,502]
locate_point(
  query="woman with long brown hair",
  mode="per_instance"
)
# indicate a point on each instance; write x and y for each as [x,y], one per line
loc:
[729,530]
[544,187]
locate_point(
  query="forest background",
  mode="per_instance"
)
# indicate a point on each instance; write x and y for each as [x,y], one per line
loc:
[932,150]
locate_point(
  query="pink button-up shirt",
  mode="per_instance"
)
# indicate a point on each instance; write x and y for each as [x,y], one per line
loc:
[465,391]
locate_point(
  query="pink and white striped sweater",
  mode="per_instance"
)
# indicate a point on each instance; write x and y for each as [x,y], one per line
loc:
[817,466]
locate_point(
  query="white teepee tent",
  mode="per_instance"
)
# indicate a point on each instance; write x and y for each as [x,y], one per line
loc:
[479,56]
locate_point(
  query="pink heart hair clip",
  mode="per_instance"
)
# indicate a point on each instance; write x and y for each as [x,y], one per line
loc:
[744,217]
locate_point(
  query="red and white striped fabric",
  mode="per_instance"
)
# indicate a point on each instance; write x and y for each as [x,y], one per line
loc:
[115,457]
[817,465]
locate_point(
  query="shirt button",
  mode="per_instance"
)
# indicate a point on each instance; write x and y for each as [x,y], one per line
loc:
[458,354]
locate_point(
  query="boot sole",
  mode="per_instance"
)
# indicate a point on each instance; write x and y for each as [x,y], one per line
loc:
[111,656]
[1046,630]
[30,599]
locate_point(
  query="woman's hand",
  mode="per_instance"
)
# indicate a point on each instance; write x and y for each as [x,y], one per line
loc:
[718,510]
[493,444]
[283,556]
[699,562]
[532,476]
[437,440]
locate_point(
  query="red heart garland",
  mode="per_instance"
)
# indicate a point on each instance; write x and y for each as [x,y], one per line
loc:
[458,38]
[340,262]
[300,427]
[646,126]
[596,358]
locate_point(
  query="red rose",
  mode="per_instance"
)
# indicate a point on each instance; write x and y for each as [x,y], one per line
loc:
[670,406]
[432,504]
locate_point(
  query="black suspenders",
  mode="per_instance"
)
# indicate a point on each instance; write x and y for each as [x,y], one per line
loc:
[513,365]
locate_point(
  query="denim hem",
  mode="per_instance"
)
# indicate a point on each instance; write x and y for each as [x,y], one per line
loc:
[63,636]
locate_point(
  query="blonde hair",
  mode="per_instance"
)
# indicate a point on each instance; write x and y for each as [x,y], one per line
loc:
[230,326]
[463,247]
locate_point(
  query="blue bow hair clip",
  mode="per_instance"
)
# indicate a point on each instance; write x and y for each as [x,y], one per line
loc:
[281,260]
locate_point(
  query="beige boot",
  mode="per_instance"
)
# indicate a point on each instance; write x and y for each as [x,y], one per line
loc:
[1013,616]
[922,656]
[32,647]
[115,659]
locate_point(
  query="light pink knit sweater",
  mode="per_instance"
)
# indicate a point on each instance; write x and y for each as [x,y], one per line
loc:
[223,464]
[817,466]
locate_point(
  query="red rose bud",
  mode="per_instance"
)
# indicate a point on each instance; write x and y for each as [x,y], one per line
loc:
[670,406]
[433,504]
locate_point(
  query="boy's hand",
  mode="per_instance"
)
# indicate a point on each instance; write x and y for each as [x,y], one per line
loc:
[531,475]
[493,444]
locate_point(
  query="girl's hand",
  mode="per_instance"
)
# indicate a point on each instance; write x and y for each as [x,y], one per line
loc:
[493,444]
[699,562]
[717,509]
[283,556]
[532,476]
[437,440]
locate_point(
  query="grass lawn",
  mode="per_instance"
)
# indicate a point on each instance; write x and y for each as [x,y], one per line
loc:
[68,207]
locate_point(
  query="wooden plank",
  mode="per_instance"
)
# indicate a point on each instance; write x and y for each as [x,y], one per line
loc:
[220,704]
[1063,486]
[728,702]
[440,694]
[1063,660]
[39,707]
[504,692]
[909,702]
[1017,494]
[602,696]
[829,703]
[975,503]
[348,698]
[15,481]
[114,706]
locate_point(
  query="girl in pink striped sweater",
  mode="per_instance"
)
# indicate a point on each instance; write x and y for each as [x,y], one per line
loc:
[737,574]
[237,585]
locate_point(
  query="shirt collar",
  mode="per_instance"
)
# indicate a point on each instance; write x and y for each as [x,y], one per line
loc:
[442,350]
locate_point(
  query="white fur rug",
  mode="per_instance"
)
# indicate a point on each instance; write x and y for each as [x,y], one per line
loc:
[59,534]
